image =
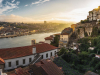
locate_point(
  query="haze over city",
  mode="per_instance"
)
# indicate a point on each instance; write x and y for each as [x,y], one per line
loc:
[49,10]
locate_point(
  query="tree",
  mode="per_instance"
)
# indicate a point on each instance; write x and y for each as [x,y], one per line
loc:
[71,58]
[56,41]
[91,56]
[85,33]
[94,31]
[84,47]
[94,61]
[62,51]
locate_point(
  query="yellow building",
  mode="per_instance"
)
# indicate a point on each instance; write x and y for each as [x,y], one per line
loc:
[73,27]
[1,28]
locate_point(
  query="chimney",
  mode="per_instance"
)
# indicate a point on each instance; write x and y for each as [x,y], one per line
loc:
[34,50]
[33,41]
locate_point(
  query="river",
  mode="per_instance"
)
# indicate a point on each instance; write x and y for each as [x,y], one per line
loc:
[22,40]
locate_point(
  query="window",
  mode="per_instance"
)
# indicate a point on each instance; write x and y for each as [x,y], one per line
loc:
[42,56]
[30,59]
[51,53]
[9,64]
[46,55]
[4,65]
[23,61]
[17,63]
[55,52]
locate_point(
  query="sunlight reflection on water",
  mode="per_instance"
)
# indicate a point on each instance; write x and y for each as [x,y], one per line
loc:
[22,40]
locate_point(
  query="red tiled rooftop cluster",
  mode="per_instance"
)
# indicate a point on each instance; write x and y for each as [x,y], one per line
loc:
[49,38]
[2,61]
[11,53]
[49,67]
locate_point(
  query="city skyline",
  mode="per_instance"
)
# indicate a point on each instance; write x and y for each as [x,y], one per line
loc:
[49,10]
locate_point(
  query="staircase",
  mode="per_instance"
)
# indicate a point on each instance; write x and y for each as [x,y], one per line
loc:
[37,58]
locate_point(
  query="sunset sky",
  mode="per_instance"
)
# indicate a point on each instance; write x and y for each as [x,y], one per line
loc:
[49,10]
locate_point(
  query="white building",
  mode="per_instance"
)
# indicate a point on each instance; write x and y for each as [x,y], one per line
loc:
[94,14]
[23,56]
[49,39]
[64,37]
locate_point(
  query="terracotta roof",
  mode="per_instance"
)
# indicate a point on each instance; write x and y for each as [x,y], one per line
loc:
[49,67]
[49,38]
[57,34]
[97,56]
[41,42]
[67,28]
[40,48]
[2,61]
[90,73]
[20,71]
[11,53]
[65,33]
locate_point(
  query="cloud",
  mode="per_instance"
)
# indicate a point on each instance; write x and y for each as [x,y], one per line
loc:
[40,2]
[75,15]
[26,5]
[15,18]
[13,1]
[8,6]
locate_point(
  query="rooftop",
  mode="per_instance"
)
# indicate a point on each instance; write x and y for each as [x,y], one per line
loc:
[49,68]
[2,61]
[49,38]
[17,52]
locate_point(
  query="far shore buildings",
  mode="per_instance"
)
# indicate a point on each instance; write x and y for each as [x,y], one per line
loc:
[12,58]
[64,37]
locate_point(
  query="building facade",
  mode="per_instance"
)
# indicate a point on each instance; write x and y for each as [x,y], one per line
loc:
[23,56]
[64,37]
[94,14]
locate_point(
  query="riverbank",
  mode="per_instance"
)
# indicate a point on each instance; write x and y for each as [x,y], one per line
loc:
[23,40]
[12,36]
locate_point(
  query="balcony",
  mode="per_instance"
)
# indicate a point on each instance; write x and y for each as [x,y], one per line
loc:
[62,41]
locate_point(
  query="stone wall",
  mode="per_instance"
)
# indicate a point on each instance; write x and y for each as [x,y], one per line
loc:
[89,30]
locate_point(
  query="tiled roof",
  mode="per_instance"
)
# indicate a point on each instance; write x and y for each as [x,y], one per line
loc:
[40,48]
[57,34]
[97,56]
[90,73]
[65,33]
[2,61]
[49,38]
[49,67]
[41,42]
[11,53]
[19,71]
[67,28]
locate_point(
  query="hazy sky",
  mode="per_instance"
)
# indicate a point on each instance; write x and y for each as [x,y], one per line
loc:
[49,10]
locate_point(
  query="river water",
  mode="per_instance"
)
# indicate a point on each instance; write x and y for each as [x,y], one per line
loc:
[22,40]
